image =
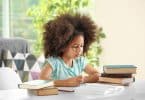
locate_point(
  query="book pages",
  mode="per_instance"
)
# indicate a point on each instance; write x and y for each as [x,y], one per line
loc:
[97,90]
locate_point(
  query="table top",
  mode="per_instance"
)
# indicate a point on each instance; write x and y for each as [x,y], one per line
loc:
[92,91]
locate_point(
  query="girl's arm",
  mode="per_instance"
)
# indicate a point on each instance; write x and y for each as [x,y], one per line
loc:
[46,75]
[93,74]
[46,72]
[70,82]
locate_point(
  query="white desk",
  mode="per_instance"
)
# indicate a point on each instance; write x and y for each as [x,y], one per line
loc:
[136,91]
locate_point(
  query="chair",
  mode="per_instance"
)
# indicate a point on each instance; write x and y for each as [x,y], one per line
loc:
[14,45]
[9,79]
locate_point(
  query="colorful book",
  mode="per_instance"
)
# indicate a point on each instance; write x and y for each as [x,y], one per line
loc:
[44,91]
[119,69]
[36,84]
[121,81]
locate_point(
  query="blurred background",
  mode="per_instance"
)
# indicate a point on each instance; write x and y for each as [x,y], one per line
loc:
[121,22]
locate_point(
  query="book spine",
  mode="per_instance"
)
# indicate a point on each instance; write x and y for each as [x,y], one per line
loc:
[44,92]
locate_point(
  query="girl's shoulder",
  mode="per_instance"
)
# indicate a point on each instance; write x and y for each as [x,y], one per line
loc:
[81,58]
[81,62]
[53,59]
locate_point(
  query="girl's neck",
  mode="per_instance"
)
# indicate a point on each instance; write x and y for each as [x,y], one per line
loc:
[68,61]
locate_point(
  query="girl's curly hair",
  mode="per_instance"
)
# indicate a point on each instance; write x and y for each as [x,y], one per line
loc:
[61,31]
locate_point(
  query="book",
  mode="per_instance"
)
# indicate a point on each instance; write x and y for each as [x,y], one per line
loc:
[36,84]
[125,75]
[121,81]
[44,91]
[116,69]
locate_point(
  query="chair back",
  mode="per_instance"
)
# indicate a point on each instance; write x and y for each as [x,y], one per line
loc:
[9,79]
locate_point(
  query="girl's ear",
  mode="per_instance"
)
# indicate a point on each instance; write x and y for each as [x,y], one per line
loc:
[62,50]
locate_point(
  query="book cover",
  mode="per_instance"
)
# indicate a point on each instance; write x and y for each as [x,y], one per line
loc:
[119,66]
[121,81]
[116,69]
[36,84]
[44,91]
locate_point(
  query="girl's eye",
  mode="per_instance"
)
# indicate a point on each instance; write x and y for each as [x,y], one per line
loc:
[82,46]
[77,46]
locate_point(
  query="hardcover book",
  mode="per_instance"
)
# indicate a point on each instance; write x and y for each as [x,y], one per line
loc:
[121,81]
[117,69]
[36,84]
[125,75]
[44,91]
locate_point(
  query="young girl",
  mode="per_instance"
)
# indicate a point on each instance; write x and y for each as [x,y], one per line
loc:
[66,39]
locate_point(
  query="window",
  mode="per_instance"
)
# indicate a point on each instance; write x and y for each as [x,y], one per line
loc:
[0,18]
[20,23]
[14,21]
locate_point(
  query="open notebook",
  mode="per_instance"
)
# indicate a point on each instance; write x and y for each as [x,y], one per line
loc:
[95,90]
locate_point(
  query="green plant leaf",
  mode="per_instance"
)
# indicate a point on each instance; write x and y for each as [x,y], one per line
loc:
[47,9]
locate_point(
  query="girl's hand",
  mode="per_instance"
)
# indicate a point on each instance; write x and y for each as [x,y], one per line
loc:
[75,80]
[71,82]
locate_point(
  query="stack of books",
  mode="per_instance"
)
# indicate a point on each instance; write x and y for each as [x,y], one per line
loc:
[43,87]
[118,74]
[40,87]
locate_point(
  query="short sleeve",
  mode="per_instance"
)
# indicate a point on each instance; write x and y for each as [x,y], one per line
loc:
[52,62]
[82,61]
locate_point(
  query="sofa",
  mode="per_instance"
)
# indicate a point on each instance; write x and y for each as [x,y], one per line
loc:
[15,54]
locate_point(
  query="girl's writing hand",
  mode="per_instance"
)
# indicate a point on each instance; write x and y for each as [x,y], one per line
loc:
[70,82]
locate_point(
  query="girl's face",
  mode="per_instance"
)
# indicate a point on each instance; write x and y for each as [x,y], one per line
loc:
[75,48]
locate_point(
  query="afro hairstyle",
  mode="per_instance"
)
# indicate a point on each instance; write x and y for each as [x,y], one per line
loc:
[60,31]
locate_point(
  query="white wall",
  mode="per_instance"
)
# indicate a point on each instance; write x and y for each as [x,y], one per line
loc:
[123,21]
